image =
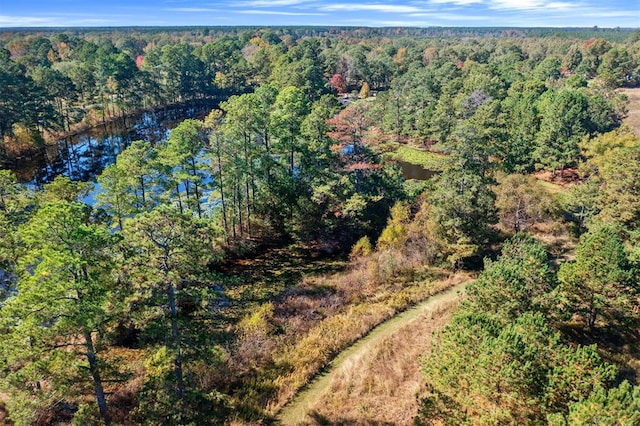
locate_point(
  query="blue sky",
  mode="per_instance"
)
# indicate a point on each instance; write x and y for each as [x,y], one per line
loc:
[418,13]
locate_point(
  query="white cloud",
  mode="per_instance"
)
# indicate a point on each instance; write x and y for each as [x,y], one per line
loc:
[371,7]
[18,21]
[512,4]
[612,14]
[55,20]
[450,16]
[516,4]
[532,5]
[399,23]
[560,5]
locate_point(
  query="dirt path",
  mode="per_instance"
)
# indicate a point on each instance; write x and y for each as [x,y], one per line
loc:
[295,412]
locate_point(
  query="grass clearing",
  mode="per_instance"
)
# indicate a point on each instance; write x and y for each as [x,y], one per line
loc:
[553,188]
[413,155]
[250,282]
[359,321]
[378,383]
[633,117]
[319,317]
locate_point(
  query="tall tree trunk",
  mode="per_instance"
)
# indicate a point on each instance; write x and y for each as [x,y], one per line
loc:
[95,376]
[102,107]
[265,136]
[248,207]
[248,169]
[187,189]
[238,206]
[173,320]
[144,201]
[194,173]
[221,186]
[197,196]
[233,213]
[175,336]
[179,199]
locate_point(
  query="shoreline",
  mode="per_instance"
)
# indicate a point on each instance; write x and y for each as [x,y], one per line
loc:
[27,153]
[83,127]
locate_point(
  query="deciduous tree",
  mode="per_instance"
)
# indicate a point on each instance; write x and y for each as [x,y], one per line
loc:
[522,201]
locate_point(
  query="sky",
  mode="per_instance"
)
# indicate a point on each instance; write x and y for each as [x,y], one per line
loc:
[372,13]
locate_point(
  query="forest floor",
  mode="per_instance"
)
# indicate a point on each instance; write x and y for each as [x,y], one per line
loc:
[375,380]
[257,279]
[633,117]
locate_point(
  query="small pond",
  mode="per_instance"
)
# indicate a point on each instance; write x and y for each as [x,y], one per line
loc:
[414,171]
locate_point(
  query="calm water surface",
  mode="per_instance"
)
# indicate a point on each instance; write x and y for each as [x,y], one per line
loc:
[414,171]
[83,156]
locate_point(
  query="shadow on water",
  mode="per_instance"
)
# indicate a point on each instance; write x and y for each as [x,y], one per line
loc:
[83,156]
[414,171]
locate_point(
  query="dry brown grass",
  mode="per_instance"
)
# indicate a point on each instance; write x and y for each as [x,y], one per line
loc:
[322,315]
[365,304]
[380,385]
[363,316]
[633,117]
[559,242]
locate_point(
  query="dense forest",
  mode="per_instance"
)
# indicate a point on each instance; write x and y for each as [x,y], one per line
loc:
[222,267]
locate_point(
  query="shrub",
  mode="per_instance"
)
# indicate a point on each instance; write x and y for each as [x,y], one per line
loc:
[362,248]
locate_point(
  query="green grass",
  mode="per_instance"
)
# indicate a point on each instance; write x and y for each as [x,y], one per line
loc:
[428,160]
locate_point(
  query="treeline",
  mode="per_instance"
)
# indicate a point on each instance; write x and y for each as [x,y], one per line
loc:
[610,34]
[91,76]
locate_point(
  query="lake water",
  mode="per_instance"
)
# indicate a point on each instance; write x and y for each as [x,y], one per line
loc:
[83,156]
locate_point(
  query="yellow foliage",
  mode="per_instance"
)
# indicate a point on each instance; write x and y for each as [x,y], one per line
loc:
[400,57]
[257,322]
[222,80]
[51,56]
[258,41]
[598,150]
[430,53]
[364,90]
[394,235]
[400,213]
[160,363]
[362,248]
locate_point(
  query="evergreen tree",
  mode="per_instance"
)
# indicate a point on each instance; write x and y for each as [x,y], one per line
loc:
[64,296]
[598,285]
